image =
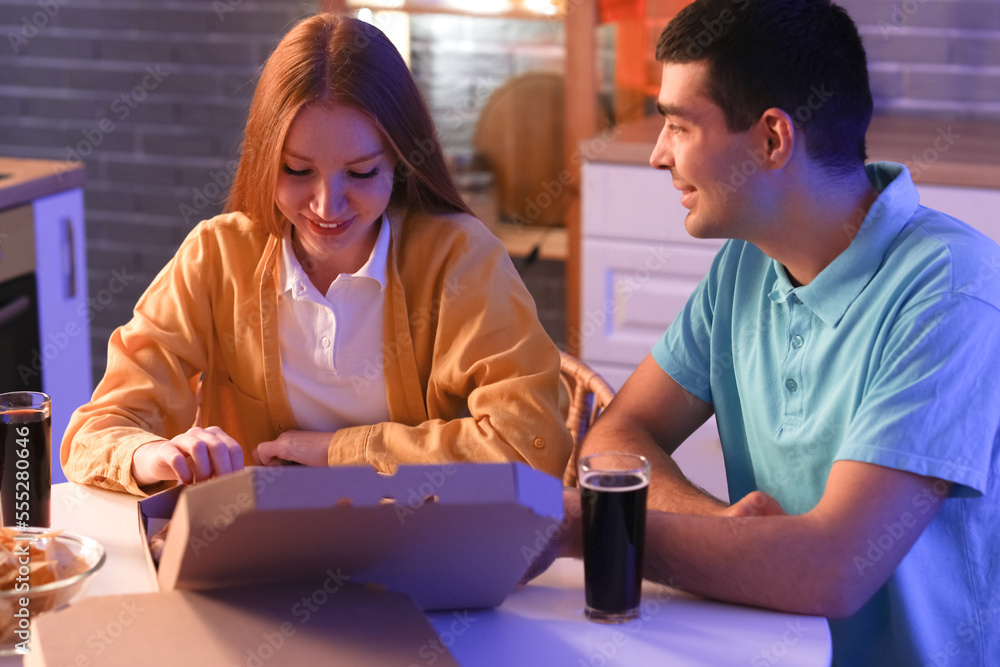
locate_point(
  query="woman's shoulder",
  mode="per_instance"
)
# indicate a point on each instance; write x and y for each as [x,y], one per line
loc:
[229,223]
[446,231]
[227,228]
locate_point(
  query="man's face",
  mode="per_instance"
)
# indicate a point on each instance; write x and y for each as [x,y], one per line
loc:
[701,154]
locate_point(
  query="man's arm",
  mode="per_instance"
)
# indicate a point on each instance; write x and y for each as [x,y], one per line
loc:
[652,415]
[815,563]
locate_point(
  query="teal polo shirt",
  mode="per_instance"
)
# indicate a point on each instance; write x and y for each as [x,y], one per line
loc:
[891,356]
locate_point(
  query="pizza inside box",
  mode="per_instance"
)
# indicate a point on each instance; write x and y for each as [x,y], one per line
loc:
[310,564]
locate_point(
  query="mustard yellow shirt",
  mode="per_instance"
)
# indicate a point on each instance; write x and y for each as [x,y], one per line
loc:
[470,374]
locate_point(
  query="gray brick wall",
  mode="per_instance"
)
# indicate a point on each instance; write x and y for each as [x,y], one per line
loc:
[459,60]
[932,56]
[152,97]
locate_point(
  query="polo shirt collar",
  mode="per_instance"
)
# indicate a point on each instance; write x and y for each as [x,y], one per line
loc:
[836,287]
[292,271]
[374,268]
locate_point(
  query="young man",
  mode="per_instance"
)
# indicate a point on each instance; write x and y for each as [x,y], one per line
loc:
[847,341]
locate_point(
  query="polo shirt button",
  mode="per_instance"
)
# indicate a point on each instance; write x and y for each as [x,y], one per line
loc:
[791,384]
[325,342]
[797,342]
[538,443]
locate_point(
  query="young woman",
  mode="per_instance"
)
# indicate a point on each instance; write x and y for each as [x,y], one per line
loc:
[345,310]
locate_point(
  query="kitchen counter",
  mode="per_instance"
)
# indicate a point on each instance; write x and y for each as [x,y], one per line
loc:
[953,152]
[22,181]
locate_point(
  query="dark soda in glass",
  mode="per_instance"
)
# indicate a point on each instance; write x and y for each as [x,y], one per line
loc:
[614,530]
[25,459]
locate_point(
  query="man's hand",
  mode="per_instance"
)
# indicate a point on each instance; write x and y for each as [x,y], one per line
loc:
[568,541]
[806,563]
[305,447]
[193,456]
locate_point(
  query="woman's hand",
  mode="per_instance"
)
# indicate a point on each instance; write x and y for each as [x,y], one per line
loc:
[755,503]
[193,456]
[564,540]
[306,447]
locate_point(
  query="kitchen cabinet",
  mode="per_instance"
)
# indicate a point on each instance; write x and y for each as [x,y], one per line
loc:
[636,79]
[42,231]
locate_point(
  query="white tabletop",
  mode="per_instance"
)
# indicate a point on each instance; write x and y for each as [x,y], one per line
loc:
[539,624]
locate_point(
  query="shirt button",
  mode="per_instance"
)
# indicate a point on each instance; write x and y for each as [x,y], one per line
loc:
[797,342]
[325,342]
[791,384]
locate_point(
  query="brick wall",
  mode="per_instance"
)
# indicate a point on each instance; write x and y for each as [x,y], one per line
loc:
[152,96]
[459,60]
[932,56]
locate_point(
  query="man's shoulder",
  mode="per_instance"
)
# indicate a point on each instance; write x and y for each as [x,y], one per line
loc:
[966,261]
[946,228]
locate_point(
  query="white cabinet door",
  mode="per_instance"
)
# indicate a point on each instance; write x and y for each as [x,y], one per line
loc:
[63,315]
[631,294]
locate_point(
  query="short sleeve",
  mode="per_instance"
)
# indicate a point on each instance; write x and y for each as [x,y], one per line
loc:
[684,352]
[933,405]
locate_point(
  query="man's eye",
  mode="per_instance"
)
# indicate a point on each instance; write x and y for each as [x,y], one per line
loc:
[293,172]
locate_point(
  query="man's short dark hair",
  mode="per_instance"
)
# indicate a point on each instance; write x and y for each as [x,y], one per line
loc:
[802,56]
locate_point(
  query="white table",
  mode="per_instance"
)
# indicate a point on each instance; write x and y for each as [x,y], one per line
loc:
[539,624]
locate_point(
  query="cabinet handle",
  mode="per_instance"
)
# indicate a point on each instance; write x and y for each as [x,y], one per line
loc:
[14,309]
[68,259]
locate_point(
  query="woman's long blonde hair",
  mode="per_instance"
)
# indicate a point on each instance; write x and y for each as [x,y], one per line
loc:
[333,58]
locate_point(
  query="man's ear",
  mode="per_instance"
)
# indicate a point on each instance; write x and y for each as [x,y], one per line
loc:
[775,134]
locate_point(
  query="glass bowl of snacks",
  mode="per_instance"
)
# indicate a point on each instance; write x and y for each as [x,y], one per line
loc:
[40,570]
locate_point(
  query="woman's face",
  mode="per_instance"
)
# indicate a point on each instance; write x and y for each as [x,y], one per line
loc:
[334,184]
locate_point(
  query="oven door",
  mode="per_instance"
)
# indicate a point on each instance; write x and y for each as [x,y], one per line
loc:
[20,359]
[20,356]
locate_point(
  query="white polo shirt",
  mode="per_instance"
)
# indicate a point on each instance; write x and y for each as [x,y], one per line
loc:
[331,346]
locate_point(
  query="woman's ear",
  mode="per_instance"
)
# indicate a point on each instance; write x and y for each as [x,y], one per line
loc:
[775,134]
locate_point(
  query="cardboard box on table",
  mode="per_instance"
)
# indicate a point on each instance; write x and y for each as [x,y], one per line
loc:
[298,565]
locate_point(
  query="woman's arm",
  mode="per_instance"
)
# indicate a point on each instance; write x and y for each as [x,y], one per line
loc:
[145,398]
